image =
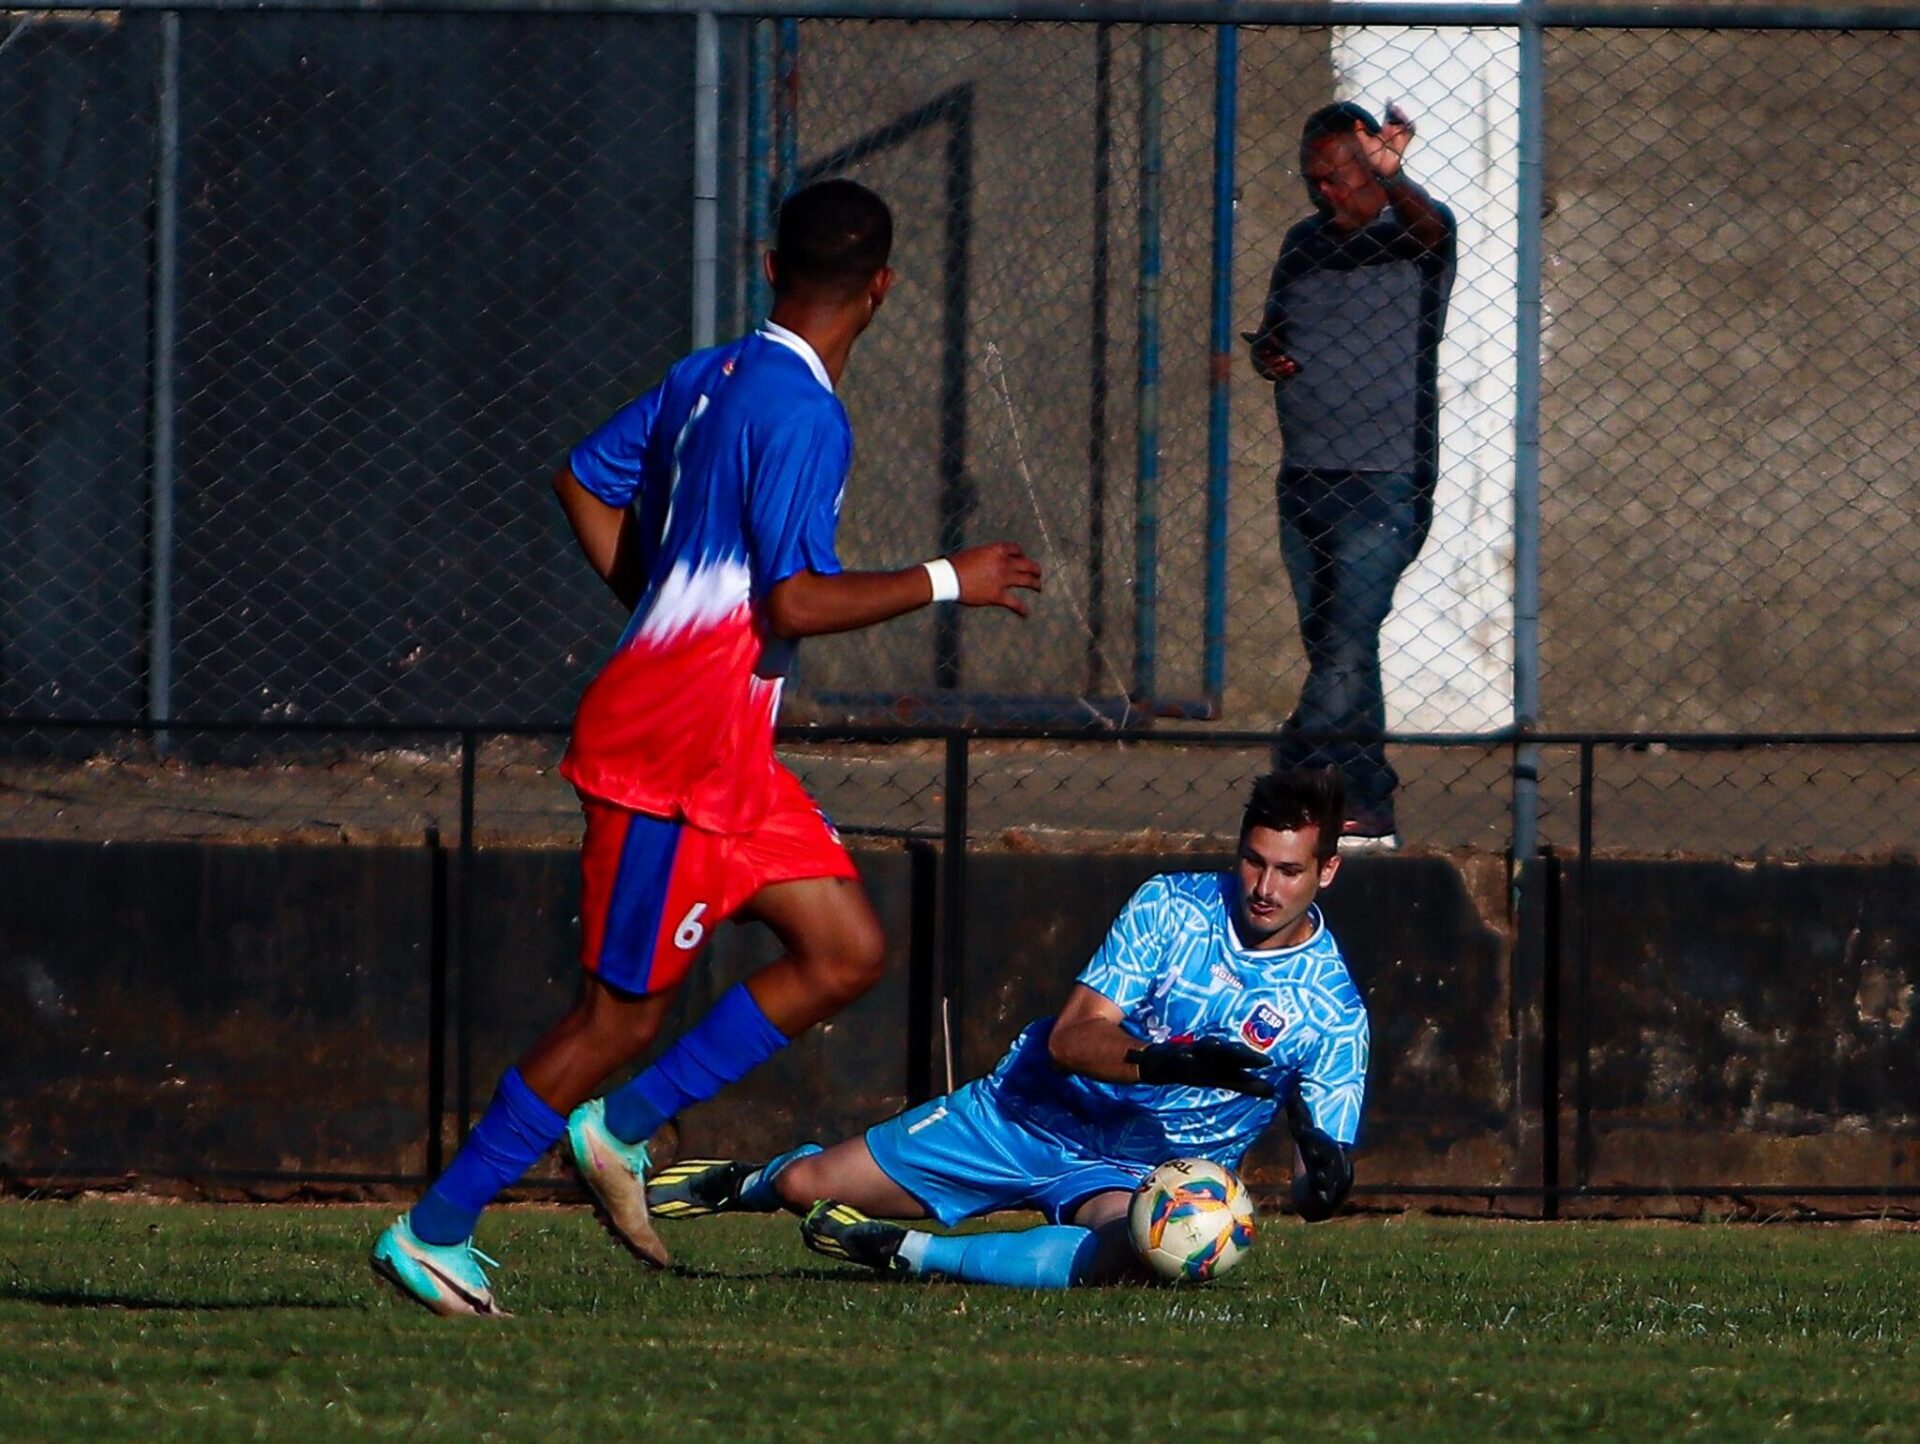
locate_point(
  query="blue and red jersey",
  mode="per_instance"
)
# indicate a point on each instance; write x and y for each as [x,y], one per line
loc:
[735,465]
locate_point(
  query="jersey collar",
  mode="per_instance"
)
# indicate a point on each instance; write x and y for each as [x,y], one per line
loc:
[797,344]
[1265,955]
[1269,954]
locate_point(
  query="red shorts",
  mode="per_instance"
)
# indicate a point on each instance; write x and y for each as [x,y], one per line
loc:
[653,890]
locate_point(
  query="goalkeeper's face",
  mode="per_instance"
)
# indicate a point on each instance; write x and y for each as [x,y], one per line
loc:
[1280,874]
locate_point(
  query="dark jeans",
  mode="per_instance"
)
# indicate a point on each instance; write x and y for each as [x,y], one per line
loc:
[1346,537]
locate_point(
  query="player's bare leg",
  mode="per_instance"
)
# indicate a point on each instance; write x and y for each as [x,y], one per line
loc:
[835,950]
[428,1253]
[1114,1260]
[845,1172]
[602,1032]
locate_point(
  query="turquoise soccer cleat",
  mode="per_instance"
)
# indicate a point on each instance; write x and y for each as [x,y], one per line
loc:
[615,1173]
[447,1278]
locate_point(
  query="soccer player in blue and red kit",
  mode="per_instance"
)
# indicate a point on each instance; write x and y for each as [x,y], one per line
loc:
[1214,997]
[709,506]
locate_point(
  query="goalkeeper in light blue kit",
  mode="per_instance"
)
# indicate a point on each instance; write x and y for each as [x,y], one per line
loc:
[1215,997]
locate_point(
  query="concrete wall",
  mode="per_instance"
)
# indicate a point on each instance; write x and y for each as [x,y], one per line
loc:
[259,1017]
[1728,428]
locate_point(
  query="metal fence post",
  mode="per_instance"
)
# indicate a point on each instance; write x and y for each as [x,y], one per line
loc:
[956,486]
[923,945]
[1550,879]
[1226,89]
[437,931]
[706,179]
[1146,523]
[1583,985]
[786,105]
[463,944]
[1097,343]
[1524,841]
[1531,193]
[760,197]
[162,397]
[953,903]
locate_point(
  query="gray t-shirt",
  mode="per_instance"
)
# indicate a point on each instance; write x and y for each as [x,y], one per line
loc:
[1362,313]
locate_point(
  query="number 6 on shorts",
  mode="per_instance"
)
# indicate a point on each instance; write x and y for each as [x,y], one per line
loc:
[691,932]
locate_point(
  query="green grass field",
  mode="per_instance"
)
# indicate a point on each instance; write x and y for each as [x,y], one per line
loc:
[155,1322]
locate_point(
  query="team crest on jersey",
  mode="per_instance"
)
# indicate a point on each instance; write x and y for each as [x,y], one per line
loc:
[1263,1027]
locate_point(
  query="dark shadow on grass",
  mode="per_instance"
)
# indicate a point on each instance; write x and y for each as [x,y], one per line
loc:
[805,1275]
[71,1299]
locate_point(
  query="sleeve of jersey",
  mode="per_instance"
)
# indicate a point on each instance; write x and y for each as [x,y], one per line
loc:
[1123,968]
[1334,1084]
[793,507]
[612,462]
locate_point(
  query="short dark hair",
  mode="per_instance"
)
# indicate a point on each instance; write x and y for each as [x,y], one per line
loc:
[832,237]
[1296,798]
[1336,119]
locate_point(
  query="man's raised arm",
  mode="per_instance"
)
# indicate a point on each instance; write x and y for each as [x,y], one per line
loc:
[1426,220]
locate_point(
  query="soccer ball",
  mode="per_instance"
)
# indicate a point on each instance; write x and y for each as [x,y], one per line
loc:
[1191,1220]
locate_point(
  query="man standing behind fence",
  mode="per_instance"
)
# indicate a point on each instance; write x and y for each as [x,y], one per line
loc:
[710,507]
[1351,339]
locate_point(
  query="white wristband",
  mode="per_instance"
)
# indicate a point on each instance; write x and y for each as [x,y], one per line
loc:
[946,581]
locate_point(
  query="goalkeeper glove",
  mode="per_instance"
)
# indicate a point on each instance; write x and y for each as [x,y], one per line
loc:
[1204,1063]
[1328,1175]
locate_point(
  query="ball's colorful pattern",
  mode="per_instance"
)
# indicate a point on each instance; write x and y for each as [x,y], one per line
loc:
[1191,1220]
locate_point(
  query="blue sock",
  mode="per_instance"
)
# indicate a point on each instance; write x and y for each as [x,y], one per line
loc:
[1056,1256]
[730,1042]
[509,1138]
[756,1190]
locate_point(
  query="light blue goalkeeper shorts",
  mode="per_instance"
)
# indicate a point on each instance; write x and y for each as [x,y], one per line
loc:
[960,1156]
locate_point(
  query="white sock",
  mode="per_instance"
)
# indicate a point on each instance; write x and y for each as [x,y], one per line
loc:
[913,1248]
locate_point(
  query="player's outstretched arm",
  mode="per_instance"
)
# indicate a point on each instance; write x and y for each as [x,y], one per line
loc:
[1204,1063]
[994,575]
[808,604]
[1088,1038]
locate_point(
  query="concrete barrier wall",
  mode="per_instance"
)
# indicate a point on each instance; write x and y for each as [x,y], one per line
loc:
[260,1017]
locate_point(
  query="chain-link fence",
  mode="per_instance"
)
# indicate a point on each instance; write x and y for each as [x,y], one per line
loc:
[295,299]
[305,306]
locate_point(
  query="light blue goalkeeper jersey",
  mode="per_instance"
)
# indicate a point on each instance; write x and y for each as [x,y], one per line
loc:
[1176,968]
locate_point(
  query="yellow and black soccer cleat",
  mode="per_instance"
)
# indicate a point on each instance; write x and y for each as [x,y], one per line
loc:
[696,1187]
[841,1231]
